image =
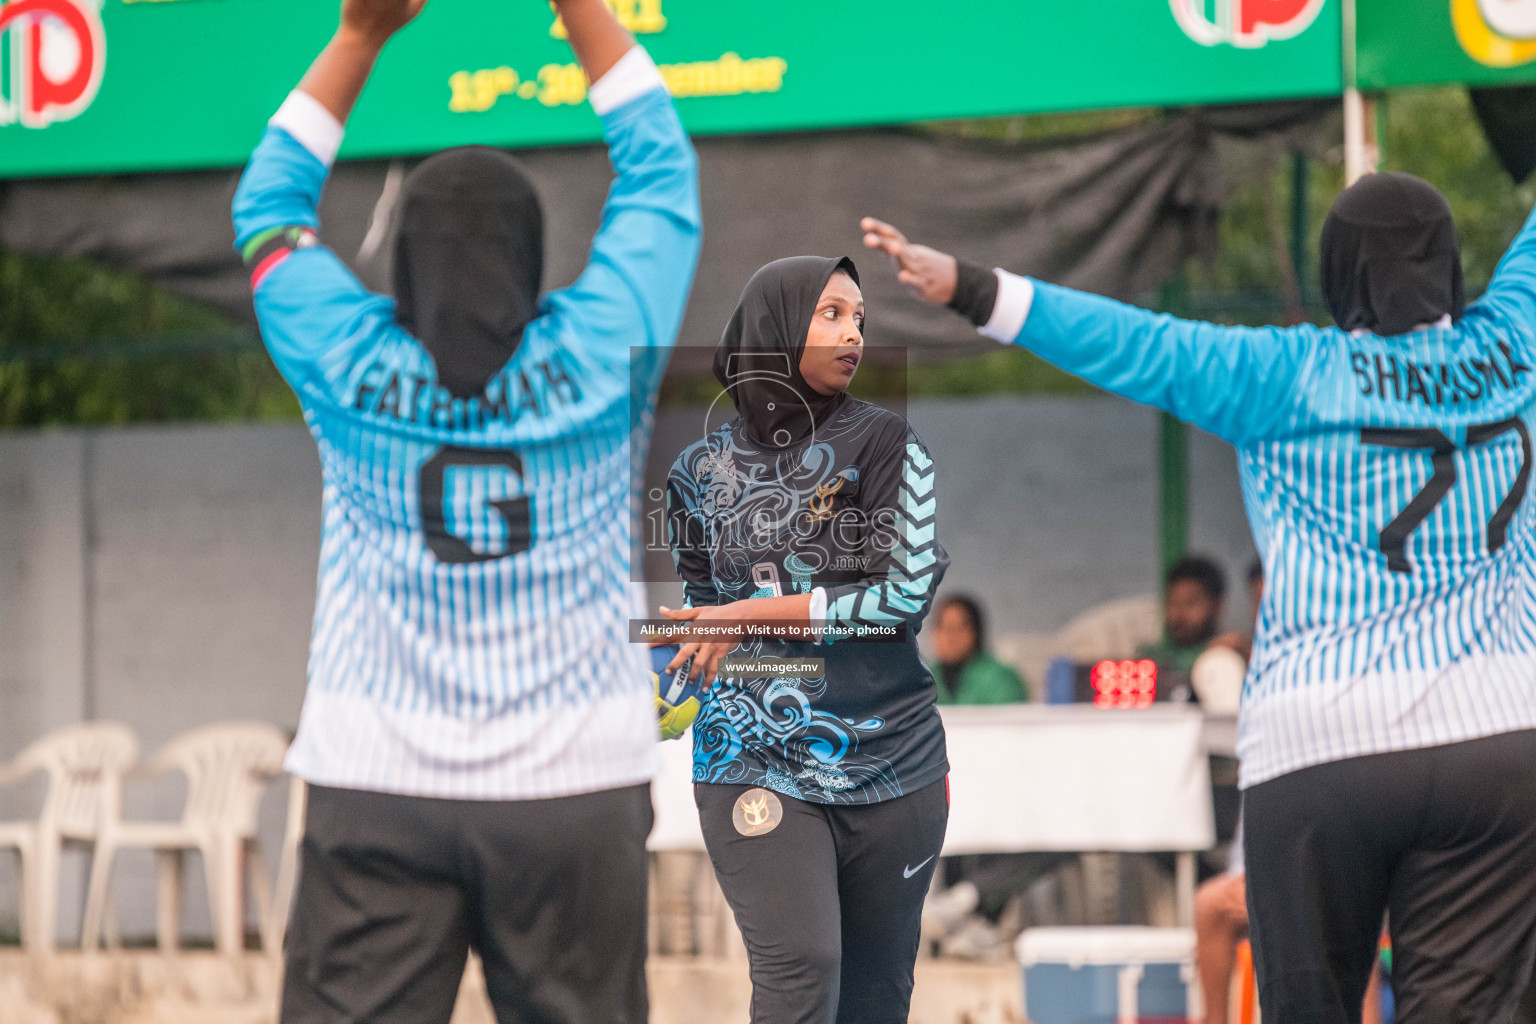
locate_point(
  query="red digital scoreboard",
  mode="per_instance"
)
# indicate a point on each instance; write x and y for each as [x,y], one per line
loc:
[1124,684]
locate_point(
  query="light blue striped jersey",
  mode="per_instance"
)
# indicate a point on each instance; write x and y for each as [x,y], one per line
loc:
[470,636]
[1386,482]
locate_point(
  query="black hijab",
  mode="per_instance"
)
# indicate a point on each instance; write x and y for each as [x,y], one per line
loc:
[758,359]
[468,262]
[1390,259]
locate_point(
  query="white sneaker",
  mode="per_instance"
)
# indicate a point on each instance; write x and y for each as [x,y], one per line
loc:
[943,912]
[976,941]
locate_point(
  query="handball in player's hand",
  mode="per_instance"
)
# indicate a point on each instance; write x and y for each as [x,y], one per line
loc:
[678,698]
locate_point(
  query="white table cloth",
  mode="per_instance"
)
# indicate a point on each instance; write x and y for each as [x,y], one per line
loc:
[1036,777]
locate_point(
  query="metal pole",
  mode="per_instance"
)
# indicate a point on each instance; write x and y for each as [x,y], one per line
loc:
[90,705]
[1300,220]
[1184,888]
[1358,159]
[1173,479]
[1172,459]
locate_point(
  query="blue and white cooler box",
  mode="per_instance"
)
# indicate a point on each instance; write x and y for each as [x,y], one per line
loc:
[1107,975]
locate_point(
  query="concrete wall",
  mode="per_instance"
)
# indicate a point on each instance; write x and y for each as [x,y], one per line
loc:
[164,577]
[1049,506]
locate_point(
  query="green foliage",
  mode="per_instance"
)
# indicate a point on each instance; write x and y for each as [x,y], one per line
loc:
[1429,132]
[83,344]
[1005,370]
[1435,134]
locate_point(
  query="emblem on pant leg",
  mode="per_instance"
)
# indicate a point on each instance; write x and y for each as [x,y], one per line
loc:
[757,812]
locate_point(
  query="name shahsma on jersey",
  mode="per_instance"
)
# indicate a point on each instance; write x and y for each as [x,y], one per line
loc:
[506,397]
[1435,384]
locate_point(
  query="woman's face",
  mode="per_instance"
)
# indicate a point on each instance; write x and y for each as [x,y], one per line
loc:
[954,637]
[835,342]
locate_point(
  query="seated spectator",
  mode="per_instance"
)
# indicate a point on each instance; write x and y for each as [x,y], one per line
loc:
[965,672]
[1221,922]
[1194,597]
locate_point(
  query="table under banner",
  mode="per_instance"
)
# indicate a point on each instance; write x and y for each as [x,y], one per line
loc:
[1036,777]
[1040,778]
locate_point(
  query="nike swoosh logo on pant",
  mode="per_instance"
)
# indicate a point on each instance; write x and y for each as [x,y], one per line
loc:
[912,871]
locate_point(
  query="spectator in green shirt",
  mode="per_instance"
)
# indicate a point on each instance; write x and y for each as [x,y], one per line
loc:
[965,672]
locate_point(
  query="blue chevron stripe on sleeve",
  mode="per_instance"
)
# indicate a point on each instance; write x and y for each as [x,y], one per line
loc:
[917,562]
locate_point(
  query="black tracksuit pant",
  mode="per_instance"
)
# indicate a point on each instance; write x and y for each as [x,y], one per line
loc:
[828,898]
[395,891]
[1441,841]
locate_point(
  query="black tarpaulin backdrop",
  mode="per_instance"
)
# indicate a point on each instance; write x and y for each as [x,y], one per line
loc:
[1507,114]
[1115,214]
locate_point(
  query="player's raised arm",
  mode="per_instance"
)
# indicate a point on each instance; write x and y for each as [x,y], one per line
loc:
[595,34]
[1233,381]
[1513,287]
[312,316]
[635,286]
[338,75]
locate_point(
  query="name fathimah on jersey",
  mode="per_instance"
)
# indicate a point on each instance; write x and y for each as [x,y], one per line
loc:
[470,636]
[1386,482]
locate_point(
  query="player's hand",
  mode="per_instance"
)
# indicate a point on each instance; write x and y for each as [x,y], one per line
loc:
[928,274]
[706,661]
[706,654]
[374,21]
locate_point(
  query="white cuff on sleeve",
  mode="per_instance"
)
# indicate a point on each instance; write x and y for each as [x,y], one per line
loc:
[315,128]
[1015,295]
[633,76]
[818,614]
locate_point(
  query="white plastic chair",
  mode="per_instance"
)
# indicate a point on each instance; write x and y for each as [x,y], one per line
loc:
[227,767]
[288,863]
[85,766]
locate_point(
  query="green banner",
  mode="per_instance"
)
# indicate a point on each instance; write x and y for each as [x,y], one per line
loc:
[92,86]
[1430,42]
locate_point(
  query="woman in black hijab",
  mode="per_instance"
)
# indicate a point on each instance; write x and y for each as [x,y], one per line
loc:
[1390,259]
[821,787]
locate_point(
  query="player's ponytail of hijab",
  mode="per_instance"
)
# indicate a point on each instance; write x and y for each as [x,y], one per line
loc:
[468,262]
[758,359]
[1390,258]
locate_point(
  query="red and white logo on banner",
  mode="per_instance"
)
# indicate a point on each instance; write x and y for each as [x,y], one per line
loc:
[58,52]
[1246,23]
